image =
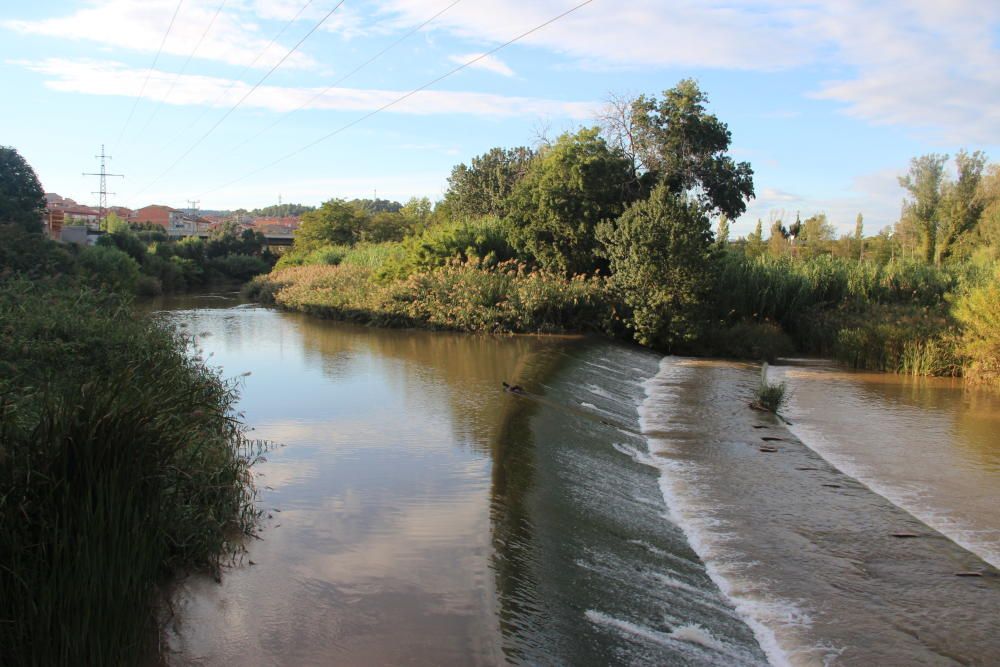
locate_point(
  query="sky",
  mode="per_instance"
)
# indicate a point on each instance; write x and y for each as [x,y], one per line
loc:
[235,103]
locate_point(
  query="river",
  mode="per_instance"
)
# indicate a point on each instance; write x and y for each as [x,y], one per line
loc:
[620,511]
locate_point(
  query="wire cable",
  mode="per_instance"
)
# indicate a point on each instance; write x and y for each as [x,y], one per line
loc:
[149,72]
[183,69]
[242,99]
[232,84]
[399,99]
[344,77]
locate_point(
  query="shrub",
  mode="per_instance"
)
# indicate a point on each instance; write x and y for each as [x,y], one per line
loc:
[482,239]
[978,312]
[659,252]
[769,396]
[241,267]
[33,254]
[109,268]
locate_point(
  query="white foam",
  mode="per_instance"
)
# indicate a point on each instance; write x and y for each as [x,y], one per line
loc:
[683,637]
[761,613]
[654,636]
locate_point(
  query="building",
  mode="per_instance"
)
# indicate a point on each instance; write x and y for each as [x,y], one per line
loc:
[67,212]
[175,222]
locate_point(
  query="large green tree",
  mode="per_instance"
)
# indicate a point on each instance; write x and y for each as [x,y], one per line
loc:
[22,200]
[484,186]
[336,222]
[920,211]
[961,204]
[684,147]
[571,186]
[660,255]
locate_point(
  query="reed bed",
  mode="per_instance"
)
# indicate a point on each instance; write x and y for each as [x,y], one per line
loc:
[122,463]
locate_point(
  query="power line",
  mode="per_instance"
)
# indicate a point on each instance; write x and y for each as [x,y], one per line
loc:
[149,72]
[399,99]
[103,191]
[183,69]
[242,99]
[236,80]
[345,77]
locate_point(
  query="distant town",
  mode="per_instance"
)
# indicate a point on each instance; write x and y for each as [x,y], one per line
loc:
[69,221]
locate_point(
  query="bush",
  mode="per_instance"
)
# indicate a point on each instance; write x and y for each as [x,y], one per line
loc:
[121,462]
[769,396]
[241,267]
[978,312]
[659,251]
[109,268]
[483,239]
[32,254]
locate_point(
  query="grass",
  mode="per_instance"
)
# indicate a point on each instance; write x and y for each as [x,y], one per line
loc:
[460,296]
[769,396]
[122,463]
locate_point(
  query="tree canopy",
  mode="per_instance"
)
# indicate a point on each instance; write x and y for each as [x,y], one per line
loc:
[569,188]
[684,147]
[22,200]
[659,252]
[484,186]
[336,222]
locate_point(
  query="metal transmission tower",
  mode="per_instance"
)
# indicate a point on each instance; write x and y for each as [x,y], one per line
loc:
[103,192]
[193,203]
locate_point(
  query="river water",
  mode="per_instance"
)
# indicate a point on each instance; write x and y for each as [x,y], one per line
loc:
[619,512]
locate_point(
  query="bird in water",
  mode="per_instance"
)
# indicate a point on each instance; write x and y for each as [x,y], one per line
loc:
[514,389]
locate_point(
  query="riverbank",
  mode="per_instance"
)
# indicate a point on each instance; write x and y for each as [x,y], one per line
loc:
[122,463]
[903,318]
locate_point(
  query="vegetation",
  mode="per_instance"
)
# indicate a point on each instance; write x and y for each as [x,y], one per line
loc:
[22,200]
[769,396]
[620,218]
[122,461]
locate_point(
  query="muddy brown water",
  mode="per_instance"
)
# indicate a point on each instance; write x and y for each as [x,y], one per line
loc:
[622,512]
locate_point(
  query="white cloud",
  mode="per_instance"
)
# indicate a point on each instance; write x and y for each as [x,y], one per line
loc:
[488,63]
[709,33]
[112,78]
[919,64]
[925,64]
[140,26]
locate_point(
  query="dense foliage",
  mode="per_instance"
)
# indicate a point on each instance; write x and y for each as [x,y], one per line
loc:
[22,200]
[659,252]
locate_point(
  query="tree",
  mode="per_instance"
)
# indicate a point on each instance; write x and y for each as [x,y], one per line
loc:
[777,242]
[570,187]
[923,182]
[960,205]
[114,224]
[684,147]
[22,200]
[336,222]
[659,252]
[755,246]
[483,187]
[859,236]
[722,238]
[815,234]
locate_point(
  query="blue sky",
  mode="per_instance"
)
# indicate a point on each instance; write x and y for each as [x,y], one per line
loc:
[827,101]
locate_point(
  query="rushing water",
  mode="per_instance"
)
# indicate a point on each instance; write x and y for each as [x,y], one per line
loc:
[617,513]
